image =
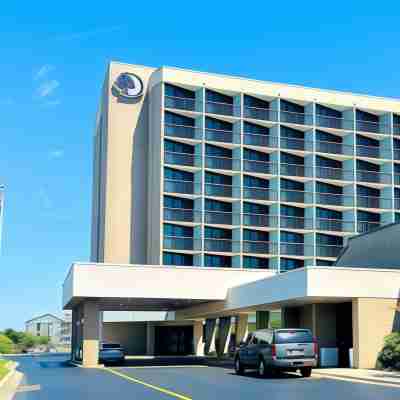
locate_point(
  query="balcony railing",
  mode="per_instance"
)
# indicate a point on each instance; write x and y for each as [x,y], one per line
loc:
[258,247]
[185,187]
[215,162]
[255,139]
[333,173]
[295,170]
[219,135]
[333,148]
[293,117]
[368,151]
[221,245]
[289,222]
[182,131]
[374,177]
[218,190]
[373,127]
[328,251]
[334,199]
[333,122]
[181,103]
[336,225]
[257,193]
[182,215]
[296,144]
[260,113]
[220,108]
[295,196]
[181,243]
[261,167]
[179,159]
[261,220]
[221,218]
[369,202]
[292,249]
[365,226]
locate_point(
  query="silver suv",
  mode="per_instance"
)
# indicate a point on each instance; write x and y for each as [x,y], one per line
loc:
[269,350]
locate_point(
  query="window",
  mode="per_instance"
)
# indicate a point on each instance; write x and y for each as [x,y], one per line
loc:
[292,185]
[217,261]
[178,175]
[292,211]
[217,233]
[329,240]
[218,97]
[255,262]
[291,237]
[177,147]
[288,264]
[293,336]
[326,111]
[255,129]
[367,166]
[328,214]
[250,101]
[255,155]
[177,259]
[366,216]
[252,181]
[217,151]
[212,123]
[324,263]
[255,236]
[287,158]
[176,91]
[218,179]
[327,188]
[176,202]
[366,141]
[291,107]
[368,191]
[291,133]
[215,205]
[328,162]
[367,117]
[327,137]
[178,230]
[176,119]
[253,208]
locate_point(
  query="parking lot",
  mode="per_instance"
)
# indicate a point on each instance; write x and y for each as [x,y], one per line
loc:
[57,379]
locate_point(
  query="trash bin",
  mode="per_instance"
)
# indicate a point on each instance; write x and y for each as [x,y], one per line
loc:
[329,357]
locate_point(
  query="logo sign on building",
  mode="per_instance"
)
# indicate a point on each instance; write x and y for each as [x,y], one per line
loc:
[128,85]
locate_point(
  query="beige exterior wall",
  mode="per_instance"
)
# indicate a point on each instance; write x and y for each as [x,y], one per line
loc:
[131,335]
[373,319]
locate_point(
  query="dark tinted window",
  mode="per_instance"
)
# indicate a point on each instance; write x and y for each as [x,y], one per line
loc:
[111,346]
[293,336]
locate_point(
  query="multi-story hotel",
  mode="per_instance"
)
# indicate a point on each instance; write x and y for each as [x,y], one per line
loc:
[219,171]
[207,187]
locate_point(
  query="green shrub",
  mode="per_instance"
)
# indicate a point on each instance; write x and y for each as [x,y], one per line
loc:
[6,345]
[389,357]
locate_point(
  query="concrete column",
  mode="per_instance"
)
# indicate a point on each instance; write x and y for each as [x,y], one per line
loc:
[74,332]
[198,338]
[368,336]
[150,339]
[90,345]
[210,331]
[242,328]
[224,335]
[262,319]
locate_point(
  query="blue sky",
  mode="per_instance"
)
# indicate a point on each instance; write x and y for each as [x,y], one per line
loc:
[53,60]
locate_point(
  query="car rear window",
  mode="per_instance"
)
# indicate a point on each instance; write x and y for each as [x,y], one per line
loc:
[293,336]
[111,346]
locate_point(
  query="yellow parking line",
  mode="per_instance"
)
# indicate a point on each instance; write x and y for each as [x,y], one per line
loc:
[150,386]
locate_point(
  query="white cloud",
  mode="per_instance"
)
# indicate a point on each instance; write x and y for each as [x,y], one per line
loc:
[43,71]
[58,153]
[47,88]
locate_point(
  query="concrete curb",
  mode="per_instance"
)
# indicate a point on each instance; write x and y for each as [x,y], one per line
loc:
[9,384]
[355,377]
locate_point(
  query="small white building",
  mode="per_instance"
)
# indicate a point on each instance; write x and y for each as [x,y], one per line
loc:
[46,325]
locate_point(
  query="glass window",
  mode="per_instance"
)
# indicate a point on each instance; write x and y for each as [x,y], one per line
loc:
[293,336]
[212,123]
[217,233]
[176,119]
[365,116]
[292,185]
[215,205]
[291,133]
[178,230]
[328,162]
[366,216]
[255,262]
[292,211]
[287,158]
[216,151]
[177,202]
[324,263]
[368,191]
[255,155]
[291,107]
[329,240]
[218,97]
[291,237]
[329,112]
[177,259]
[288,264]
[250,101]
[253,208]
[367,166]
[255,129]
[178,147]
[176,174]
[211,260]
[328,137]
[327,188]
[177,91]
[366,141]
[252,181]
[255,236]
[328,214]
[219,179]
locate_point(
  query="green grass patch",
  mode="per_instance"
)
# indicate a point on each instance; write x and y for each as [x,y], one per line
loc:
[3,369]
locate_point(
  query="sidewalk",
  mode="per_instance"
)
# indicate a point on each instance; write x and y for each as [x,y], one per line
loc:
[368,375]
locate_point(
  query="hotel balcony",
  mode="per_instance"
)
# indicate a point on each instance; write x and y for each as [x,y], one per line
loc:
[221,218]
[182,131]
[333,148]
[184,187]
[221,245]
[258,247]
[219,135]
[295,170]
[216,162]
[365,226]
[260,167]
[263,114]
[289,222]
[253,139]
[213,107]
[372,127]
[374,177]
[181,243]
[373,202]
[218,190]
[325,121]
[260,220]
[368,151]
[292,249]
[293,117]
[180,103]
[328,251]
[185,159]
[335,225]
[181,215]
[296,144]
[295,196]
[333,173]
[334,199]
[257,193]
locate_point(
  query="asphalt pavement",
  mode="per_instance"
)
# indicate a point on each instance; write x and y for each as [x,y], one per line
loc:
[51,377]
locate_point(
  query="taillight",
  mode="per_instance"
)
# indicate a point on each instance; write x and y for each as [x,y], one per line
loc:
[273,350]
[315,348]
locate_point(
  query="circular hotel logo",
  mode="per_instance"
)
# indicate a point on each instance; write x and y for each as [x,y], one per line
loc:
[128,85]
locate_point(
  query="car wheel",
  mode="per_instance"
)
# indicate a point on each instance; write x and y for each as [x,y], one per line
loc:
[305,372]
[239,366]
[262,370]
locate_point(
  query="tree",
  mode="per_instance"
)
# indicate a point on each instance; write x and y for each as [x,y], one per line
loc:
[43,340]
[389,357]
[6,344]
[14,336]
